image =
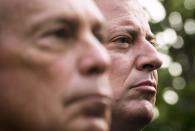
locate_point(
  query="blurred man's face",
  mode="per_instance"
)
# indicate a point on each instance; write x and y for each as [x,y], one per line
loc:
[133,74]
[53,66]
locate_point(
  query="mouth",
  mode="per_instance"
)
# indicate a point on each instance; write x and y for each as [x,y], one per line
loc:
[92,105]
[148,87]
[96,108]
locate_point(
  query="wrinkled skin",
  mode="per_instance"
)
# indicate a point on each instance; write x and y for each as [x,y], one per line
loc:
[53,66]
[135,61]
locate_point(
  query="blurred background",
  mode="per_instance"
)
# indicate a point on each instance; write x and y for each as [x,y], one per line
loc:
[173,23]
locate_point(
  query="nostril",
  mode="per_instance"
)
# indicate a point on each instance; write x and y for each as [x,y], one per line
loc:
[152,66]
[148,67]
[92,67]
[95,71]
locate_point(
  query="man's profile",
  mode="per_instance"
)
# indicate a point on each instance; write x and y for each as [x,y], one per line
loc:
[53,66]
[135,60]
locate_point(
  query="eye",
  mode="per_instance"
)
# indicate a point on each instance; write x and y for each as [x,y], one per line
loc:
[65,31]
[55,38]
[58,33]
[122,41]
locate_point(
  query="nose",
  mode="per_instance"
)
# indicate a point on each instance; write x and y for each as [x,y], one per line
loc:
[149,58]
[94,59]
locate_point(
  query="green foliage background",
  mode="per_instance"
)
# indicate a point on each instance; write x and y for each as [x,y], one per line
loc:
[181,116]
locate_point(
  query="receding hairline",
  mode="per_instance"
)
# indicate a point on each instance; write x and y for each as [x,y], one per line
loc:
[132,7]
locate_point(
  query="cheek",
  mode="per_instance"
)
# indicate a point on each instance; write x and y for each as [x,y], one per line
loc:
[61,72]
[119,72]
[121,67]
[51,66]
[51,77]
[61,68]
[156,75]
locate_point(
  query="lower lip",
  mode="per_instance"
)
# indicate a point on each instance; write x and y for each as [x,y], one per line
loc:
[145,89]
[93,106]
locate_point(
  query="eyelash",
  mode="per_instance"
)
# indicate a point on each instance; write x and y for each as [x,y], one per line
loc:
[60,33]
[122,40]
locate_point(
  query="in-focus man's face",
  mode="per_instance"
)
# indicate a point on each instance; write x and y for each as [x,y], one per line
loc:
[53,66]
[133,74]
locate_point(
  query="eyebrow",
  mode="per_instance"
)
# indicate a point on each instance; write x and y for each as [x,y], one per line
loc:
[60,19]
[131,31]
[149,36]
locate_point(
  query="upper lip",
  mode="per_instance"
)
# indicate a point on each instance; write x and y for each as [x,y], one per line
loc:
[145,83]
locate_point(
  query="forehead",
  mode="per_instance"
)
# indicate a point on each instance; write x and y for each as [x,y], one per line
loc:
[124,12]
[117,8]
[19,10]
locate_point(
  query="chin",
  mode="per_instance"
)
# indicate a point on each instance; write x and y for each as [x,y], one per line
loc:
[88,124]
[136,114]
[141,111]
[141,117]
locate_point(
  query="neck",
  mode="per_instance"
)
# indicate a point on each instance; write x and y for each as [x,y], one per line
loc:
[119,124]
[124,127]
[7,127]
